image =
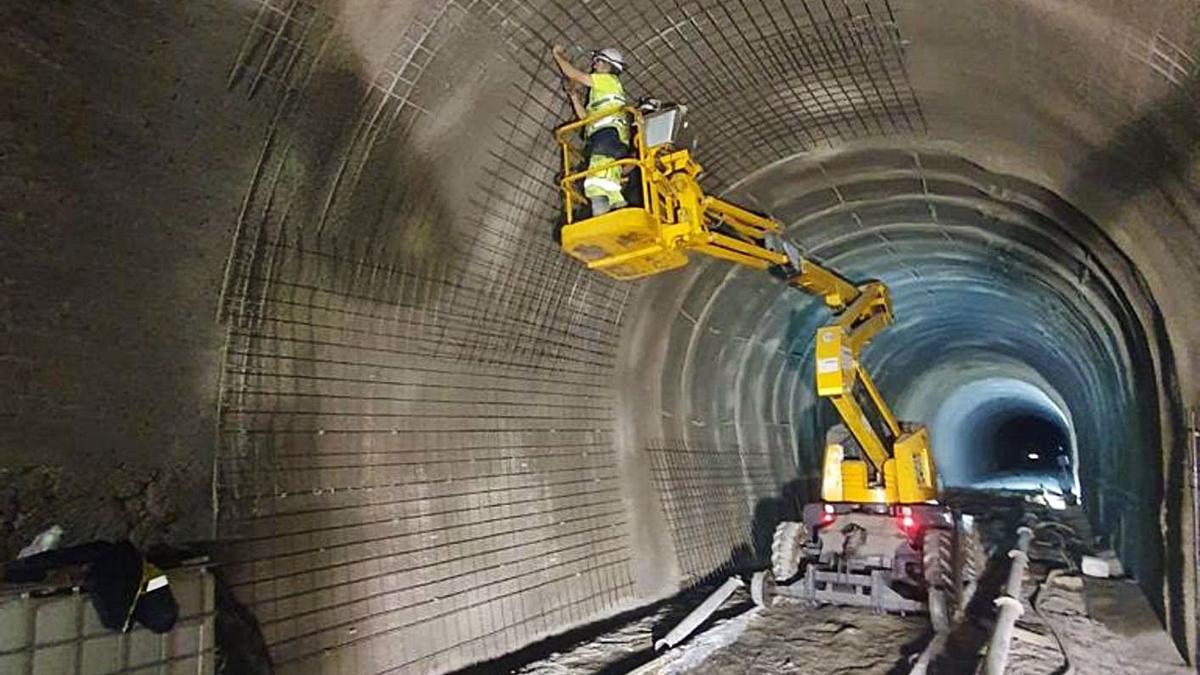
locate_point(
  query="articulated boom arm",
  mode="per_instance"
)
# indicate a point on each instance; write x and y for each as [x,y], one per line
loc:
[676,217]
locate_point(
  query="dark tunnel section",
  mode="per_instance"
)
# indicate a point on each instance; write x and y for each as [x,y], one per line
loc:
[1005,433]
[1026,440]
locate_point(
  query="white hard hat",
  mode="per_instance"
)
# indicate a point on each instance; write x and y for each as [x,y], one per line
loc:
[612,57]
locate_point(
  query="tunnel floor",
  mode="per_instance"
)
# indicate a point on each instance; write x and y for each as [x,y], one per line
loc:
[1091,625]
[1106,627]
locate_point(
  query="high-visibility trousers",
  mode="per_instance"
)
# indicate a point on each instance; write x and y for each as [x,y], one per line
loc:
[606,183]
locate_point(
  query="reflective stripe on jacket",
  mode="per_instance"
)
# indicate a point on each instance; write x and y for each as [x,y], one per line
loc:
[606,94]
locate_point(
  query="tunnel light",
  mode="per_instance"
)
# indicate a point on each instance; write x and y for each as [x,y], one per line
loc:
[1034,456]
[664,126]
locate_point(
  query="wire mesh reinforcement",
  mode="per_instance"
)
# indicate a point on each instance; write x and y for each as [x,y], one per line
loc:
[719,502]
[417,465]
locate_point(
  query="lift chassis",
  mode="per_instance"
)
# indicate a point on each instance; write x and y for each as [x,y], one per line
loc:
[914,558]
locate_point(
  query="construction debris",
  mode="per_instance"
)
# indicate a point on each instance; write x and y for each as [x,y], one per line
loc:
[46,540]
[1068,583]
[1103,565]
[1026,635]
[699,615]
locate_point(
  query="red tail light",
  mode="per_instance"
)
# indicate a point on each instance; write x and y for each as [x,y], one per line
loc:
[907,522]
[827,515]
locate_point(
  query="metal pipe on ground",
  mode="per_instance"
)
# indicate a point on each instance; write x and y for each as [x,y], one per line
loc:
[935,647]
[1009,604]
[698,616]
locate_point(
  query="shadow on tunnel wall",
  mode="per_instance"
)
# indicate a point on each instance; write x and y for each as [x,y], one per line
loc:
[1155,146]
[121,157]
[342,217]
[357,202]
[241,649]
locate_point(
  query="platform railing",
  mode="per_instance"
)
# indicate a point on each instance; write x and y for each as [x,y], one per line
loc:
[572,156]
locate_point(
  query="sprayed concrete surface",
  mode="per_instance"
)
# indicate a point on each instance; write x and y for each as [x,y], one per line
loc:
[281,272]
[121,162]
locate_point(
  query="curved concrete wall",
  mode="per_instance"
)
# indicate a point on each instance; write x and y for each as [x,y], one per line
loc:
[991,277]
[437,438]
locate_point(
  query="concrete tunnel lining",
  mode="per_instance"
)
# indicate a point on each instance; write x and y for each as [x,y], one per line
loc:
[947,402]
[436,441]
[996,295]
[970,420]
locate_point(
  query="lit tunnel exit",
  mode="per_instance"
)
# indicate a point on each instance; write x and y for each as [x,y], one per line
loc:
[998,433]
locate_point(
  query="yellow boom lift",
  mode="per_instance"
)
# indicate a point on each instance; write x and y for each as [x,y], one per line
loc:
[878,538]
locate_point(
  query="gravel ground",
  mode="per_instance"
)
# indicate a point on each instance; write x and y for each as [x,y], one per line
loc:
[825,640]
[1106,626]
[741,639]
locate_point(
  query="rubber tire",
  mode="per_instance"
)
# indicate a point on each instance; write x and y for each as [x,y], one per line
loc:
[787,550]
[972,559]
[937,561]
[939,610]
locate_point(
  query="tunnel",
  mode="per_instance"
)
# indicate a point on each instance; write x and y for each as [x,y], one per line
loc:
[281,275]
[1015,429]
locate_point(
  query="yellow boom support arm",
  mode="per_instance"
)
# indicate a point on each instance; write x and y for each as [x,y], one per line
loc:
[677,217]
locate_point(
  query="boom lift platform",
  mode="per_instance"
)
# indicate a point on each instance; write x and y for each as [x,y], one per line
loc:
[878,538]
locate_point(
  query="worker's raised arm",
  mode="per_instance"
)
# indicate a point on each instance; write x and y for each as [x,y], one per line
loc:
[576,99]
[568,69]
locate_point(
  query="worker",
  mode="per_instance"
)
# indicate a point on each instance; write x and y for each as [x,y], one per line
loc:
[608,136]
[124,586]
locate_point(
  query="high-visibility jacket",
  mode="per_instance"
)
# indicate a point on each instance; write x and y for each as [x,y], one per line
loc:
[606,94]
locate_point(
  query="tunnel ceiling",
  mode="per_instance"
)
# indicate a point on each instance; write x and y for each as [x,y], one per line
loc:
[438,439]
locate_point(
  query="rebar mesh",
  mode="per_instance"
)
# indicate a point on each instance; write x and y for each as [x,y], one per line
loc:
[718,501]
[417,465]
